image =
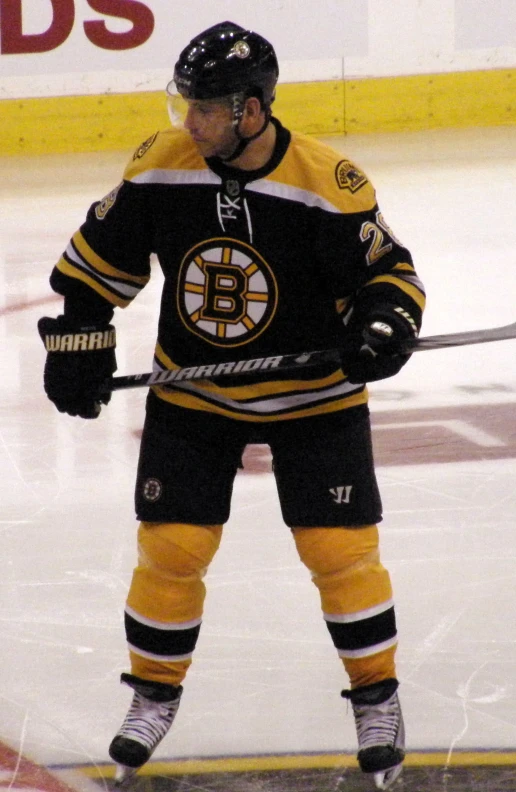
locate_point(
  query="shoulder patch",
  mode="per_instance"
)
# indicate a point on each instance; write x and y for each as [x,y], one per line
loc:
[144,147]
[349,177]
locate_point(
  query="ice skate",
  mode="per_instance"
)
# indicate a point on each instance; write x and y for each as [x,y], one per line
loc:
[380,730]
[151,714]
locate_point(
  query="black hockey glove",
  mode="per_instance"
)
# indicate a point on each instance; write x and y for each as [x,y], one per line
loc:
[80,358]
[376,350]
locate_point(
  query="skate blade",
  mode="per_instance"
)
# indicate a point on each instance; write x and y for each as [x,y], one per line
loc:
[123,774]
[386,778]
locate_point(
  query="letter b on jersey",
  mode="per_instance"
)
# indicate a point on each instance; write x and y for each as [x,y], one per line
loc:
[225,290]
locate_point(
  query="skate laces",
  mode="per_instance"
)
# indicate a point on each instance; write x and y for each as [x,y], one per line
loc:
[148,721]
[376,724]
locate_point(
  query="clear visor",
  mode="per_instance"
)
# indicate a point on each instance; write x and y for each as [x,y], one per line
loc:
[177,106]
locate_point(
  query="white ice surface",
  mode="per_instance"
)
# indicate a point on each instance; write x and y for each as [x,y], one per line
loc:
[265,677]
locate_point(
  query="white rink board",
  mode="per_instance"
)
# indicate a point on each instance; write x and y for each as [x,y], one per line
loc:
[314,41]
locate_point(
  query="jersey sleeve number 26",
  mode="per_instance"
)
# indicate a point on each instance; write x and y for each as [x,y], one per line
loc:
[376,233]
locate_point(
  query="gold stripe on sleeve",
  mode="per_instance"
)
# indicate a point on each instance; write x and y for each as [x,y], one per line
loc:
[412,291]
[102,266]
[73,272]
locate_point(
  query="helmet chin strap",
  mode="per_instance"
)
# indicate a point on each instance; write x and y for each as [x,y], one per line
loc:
[244,142]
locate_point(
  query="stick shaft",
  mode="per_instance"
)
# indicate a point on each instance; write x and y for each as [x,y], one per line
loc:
[463,339]
[298,360]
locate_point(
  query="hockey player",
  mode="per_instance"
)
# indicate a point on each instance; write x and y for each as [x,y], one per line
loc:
[272,242]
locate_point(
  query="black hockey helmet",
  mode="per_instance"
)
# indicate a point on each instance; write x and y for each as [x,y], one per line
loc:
[227,59]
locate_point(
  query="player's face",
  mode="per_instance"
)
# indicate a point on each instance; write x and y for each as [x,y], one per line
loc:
[210,123]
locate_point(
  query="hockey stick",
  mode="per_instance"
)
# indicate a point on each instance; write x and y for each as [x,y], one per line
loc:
[298,360]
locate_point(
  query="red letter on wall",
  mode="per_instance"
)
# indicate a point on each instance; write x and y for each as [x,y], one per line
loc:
[139,14]
[14,42]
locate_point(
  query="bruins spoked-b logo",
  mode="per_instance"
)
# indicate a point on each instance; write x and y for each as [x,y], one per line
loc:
[227,293]
[152,489]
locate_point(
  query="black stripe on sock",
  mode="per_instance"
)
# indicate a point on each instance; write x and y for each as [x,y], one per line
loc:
[363,633]
[160,642]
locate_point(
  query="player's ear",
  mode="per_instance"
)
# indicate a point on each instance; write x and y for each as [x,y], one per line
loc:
[252,108]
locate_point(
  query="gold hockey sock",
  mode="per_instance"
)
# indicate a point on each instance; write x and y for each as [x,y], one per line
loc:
[356,598]
[165,602]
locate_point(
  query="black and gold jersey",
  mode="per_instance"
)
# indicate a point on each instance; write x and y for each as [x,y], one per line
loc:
[255,263]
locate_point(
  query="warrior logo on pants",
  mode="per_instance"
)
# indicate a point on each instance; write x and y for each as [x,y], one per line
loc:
[227,293]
